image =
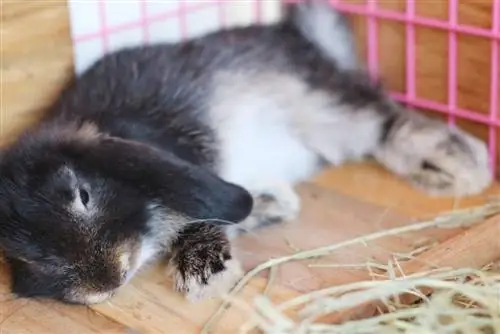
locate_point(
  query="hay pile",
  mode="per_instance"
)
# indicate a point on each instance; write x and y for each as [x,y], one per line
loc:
[462,301]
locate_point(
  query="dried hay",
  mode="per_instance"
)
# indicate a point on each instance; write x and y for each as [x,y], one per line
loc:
[462,301]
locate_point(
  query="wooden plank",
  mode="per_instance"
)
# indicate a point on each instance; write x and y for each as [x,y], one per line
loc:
[371,183]
[37,59]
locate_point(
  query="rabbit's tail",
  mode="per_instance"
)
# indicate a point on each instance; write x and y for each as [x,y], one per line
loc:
[326,28]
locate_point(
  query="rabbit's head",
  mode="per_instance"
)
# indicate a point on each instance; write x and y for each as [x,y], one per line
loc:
[81,212]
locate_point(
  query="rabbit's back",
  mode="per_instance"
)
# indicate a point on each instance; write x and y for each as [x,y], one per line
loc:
[161,94]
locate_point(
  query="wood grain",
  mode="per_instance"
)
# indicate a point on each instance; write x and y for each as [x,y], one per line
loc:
[37,59]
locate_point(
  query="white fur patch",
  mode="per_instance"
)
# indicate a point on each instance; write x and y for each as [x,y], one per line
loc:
[257,144]
[147,252]
[96,298]
[164,228]
[321,24]
[277,127]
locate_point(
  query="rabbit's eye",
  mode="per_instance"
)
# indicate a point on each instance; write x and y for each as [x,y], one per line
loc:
[84,196]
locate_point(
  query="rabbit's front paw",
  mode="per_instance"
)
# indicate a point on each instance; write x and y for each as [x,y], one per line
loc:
[198,285]
[205,267]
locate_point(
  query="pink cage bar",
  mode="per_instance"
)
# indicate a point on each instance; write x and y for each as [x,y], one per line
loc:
[410,19]
[373,14]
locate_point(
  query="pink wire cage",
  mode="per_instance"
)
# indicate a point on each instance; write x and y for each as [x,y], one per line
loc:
[373,13]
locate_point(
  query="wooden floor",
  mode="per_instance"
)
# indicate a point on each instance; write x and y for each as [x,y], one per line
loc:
[338,204]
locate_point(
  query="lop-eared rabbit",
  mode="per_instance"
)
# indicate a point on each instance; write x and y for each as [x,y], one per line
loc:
[169,151]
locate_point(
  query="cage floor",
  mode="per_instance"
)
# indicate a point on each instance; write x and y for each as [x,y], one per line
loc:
[338,205]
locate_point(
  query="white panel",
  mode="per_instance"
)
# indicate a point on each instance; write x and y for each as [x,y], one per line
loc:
[165,31]
[161,18]
[129,37]
[86,52]
[202,21]
[119,12]
[80,9]
[271,11]
[165,6]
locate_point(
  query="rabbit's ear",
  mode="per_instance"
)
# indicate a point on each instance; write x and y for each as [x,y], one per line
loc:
[26,282]
[212,197]
[18,244]
[162,176]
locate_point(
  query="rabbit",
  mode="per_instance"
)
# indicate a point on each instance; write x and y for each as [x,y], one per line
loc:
[171,150]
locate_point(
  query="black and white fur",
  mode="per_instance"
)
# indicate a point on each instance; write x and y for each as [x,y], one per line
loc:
[150,147]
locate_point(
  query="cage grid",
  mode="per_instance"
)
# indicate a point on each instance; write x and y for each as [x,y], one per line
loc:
[411,19]
[187,18]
